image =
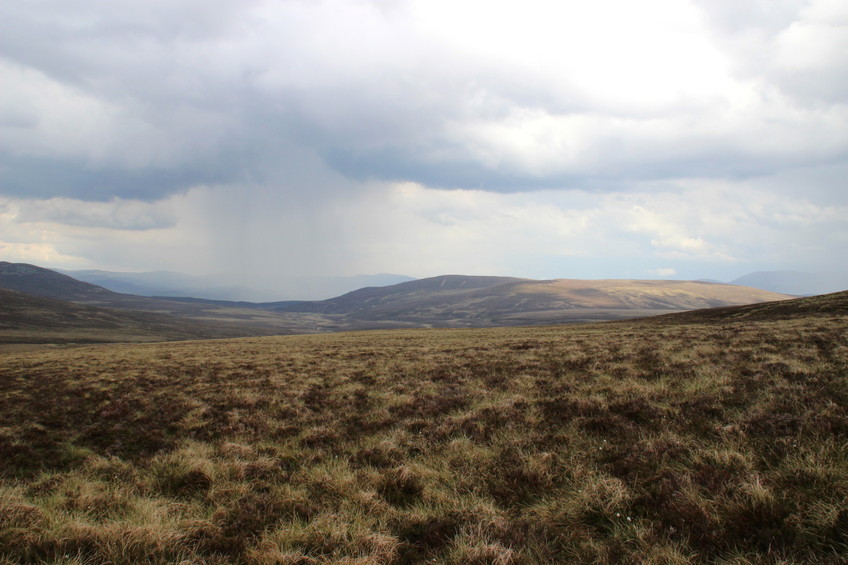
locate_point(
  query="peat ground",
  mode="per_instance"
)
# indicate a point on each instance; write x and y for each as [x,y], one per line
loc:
[679,440]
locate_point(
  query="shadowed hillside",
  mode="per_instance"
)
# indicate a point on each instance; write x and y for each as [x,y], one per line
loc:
[212,319]
[33,319]
[39,281]
[826,305]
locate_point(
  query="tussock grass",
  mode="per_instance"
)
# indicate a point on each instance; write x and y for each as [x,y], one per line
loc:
[641,442]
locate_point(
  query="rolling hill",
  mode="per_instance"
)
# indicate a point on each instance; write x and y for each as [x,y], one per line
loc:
[46,283]
[25,318]
[211,319]
[834,304]
[457,301]
[444,301]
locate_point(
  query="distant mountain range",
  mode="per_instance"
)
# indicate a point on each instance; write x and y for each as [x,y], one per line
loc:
[796,282]
[227,288]
[222,287]
[444,301]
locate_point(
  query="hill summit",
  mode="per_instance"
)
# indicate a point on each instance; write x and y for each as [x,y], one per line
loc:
[456,300]
[47,283]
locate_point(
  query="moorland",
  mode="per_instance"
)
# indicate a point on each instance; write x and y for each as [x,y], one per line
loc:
[716,436]
[56,308]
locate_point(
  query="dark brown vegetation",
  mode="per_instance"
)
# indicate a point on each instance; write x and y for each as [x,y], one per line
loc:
[47,306]
[701,439]
[28,319]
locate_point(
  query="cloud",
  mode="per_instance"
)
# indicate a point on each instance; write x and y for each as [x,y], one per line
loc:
[701,229]
[37,253]
[113,215]
[665,271]
[720,227]
[795,47]
[425,136]
[451,95]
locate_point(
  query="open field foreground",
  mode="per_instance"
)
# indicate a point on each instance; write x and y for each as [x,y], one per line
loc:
[655,441]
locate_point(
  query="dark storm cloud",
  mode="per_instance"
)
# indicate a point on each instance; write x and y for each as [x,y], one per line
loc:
[124,215]
[171,95]
[155,119]
[34,177]
[83,41]
[401,164]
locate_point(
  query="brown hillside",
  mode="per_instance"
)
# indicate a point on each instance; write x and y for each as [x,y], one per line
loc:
[826,305]
[34,319]
[445,301]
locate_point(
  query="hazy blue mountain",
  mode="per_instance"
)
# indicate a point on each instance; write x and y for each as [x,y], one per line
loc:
[163,283]
[795,282]
[321,288]
[223,287]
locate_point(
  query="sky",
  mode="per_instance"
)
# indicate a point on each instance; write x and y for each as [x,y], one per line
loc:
[542,139]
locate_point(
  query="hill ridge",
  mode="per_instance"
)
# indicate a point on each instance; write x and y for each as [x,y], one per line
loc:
[459,301]
[510,300]
[27,318]
[39,281]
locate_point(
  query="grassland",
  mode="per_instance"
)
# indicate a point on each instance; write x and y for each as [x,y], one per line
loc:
[27,319]
[456,301]
[696,439]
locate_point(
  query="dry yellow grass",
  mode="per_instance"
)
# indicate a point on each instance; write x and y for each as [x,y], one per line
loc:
[618,293]
[652,442]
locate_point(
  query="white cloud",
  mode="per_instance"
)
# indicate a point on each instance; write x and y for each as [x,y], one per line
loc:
[699,229]
[37,253]
[720,226]
[797,47]
[322,137]
[449,94]
[117,214]
[664,271]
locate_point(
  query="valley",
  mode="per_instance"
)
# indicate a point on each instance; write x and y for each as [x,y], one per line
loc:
[449,301]
[712,436]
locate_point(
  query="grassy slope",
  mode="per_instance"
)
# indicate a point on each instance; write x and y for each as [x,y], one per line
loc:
[661,441]
[659,294]
[32,319]
[833,304]
[459,301]
[196,319]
